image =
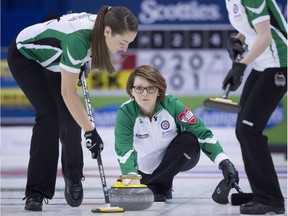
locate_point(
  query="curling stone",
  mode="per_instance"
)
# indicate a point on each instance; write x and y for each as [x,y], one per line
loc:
[130,197]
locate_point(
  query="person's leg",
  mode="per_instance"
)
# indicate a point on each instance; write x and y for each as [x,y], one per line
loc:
[70,134]
[44,149]
[182,154]
[259,99]
[70,137]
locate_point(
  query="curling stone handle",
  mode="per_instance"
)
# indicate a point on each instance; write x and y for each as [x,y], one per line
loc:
[130,176]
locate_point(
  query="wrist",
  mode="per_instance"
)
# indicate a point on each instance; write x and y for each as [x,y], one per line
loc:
[219,158]
[89,133]
[239,65]
[90,130]
[89,126]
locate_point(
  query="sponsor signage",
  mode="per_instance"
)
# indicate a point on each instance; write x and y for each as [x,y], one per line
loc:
[172,12]
[106,116]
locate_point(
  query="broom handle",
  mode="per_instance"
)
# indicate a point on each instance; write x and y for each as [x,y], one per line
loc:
[103,179]
[91,117]
[236,186]
[227,90]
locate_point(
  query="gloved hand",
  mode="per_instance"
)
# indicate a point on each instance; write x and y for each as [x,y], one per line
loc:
[131,178]
[94,143]
[234,76]
[84,69]
[234,48]
[229,171]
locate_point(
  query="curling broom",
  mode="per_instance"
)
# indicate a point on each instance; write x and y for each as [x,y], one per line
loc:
[108,208]
[221,192]
[224,104]
[240,197]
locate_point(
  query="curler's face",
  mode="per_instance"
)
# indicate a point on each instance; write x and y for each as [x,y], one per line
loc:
[117,42]
[145,95]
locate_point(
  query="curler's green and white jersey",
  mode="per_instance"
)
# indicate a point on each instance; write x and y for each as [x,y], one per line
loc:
[244,14]
[140,142]
[63,42]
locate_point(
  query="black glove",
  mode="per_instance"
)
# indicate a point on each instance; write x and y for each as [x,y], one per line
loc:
[84,69]
[234,76]
[229,171]
[94,143]
[234,48]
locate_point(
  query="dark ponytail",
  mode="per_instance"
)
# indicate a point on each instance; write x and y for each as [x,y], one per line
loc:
[120,20]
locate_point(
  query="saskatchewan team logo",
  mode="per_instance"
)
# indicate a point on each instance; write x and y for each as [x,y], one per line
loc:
[187,117]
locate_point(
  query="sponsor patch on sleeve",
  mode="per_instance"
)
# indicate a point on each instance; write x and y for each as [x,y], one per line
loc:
[187,117]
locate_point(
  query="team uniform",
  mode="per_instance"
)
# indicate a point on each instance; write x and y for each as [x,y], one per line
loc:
[63,42]
[264,88]
[161,147]
[35,59]
[243,15]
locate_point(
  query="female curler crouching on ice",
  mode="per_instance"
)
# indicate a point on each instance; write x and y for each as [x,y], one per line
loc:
[156,136]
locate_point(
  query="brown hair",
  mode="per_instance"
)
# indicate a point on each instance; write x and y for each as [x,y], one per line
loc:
[120,20]
[152,75]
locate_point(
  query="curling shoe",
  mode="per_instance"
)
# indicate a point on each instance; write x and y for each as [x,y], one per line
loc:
[73,192]
[159,196]
[168,194]
[34,202]
[255,207]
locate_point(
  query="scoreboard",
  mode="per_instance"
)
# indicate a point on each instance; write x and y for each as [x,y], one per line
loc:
[193,59]
[185,37]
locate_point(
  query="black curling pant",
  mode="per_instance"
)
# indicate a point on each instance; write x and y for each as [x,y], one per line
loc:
[182,154]
[53,121]
[259,99]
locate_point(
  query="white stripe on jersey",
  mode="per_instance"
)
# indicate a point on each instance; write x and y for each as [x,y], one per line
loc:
[257,10]
[72,60]
[35,46]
